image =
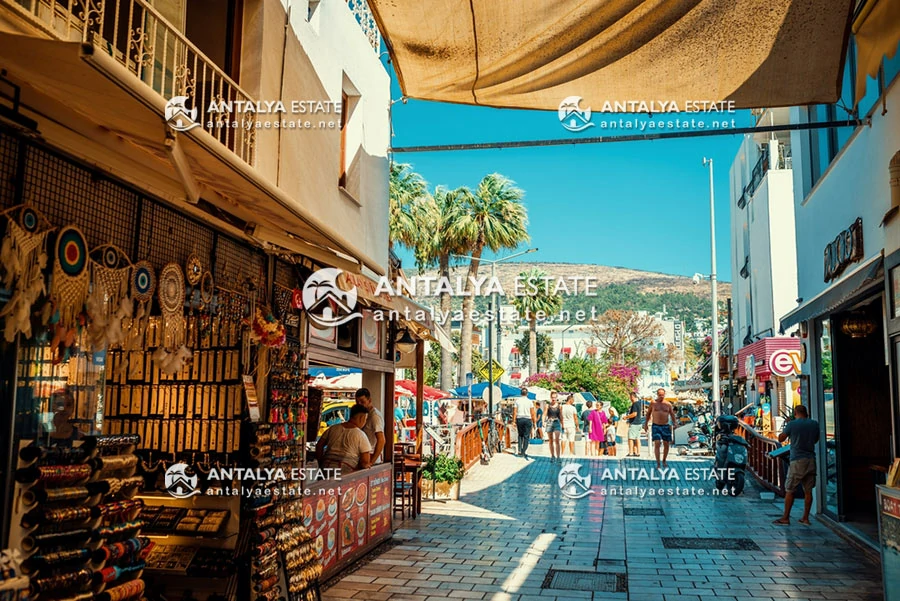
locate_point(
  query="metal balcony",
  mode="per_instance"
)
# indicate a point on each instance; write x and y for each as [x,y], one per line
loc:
[363,14]
[153,50]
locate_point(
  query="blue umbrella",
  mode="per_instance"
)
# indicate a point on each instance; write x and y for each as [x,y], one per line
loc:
[478,390]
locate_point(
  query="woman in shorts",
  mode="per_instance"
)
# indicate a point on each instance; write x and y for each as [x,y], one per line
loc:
[554,425]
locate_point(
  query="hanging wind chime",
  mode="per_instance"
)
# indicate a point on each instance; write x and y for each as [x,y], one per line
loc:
[23,257]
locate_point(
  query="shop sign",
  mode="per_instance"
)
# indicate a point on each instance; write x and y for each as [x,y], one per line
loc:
[750,367]
[366,287]
[785,363]
[847,248]
[679,340]
[297,298]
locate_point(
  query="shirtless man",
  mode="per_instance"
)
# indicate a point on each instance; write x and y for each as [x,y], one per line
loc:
[658,415]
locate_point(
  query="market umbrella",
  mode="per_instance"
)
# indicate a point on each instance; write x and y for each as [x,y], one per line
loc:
[478,390]
[431,393]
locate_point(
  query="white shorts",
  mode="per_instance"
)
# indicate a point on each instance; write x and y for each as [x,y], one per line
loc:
[569,434]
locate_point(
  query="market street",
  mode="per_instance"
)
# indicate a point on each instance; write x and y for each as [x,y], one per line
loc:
[512,527]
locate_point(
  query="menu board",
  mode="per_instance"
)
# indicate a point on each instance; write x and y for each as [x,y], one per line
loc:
[320,516]
[380,513]
[354,514]
[889,535]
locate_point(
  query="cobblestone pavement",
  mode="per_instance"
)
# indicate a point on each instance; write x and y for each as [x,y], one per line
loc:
[513,536]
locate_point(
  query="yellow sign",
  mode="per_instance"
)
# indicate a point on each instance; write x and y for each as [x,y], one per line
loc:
[496,371]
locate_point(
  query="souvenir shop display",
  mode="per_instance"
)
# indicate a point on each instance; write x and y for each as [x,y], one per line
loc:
[23,256]
[14,584]
[76,519]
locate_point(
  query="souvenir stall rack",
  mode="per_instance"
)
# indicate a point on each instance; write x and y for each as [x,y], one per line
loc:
[144,345]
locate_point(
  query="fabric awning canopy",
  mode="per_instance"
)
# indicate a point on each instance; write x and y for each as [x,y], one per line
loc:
[533,53]
[852,283]
[877,32]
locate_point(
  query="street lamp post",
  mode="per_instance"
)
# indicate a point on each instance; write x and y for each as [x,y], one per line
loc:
[714,360]
[490,360]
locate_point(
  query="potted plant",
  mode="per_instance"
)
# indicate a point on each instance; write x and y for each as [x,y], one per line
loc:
[441,476]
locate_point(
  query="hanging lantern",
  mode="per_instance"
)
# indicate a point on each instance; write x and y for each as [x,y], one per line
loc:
[857,325]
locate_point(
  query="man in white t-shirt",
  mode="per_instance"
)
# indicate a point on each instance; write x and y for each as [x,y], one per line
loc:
[569,424]
[524,417]
[344,446]
[374,428]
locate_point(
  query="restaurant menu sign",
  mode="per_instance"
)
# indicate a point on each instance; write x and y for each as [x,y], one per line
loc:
[320,516]
[380,513]
[889,537]
[354,514]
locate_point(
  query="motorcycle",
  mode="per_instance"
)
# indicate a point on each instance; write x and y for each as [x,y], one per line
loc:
[700,436]
[731,455]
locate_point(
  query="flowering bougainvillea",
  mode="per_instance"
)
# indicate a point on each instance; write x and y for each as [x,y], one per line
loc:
[627,373]
[545,380]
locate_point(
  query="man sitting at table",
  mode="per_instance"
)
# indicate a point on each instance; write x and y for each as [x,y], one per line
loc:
[345,446]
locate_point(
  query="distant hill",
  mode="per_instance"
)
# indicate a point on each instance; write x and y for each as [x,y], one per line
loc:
[617,288]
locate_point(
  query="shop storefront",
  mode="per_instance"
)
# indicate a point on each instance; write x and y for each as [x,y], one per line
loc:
[770,371]
[156,401]
[844,340]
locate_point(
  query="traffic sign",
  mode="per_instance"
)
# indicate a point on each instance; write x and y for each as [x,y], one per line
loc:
[496,371]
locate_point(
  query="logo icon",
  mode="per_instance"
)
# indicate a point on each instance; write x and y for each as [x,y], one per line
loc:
[572,484]
[327,305]
[178,483]
[179,116]
[572,116]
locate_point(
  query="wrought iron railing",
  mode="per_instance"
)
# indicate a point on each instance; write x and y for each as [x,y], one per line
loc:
[155,51]
[768,471]
[366,20]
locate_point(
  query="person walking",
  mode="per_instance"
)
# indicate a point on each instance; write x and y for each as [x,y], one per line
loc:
[596,431]
[539,424]
[570,423]
[524,417]
[586,427]
[659,416]
[554,426]
[635,417]
[804,435]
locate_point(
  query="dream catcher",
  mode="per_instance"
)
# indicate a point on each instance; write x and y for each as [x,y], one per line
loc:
[143,284]
[108,303]
[202,290]
[23,257]
[71,277]
[171,303]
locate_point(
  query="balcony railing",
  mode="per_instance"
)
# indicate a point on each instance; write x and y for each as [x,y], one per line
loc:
[768,471]
[155,51]
[363,14]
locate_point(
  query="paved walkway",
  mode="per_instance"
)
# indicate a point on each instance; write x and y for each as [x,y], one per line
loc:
[513,536]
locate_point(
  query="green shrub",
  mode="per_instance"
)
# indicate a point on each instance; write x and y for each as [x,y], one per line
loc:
[443,468]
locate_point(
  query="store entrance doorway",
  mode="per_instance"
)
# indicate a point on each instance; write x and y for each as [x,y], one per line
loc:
[862,414]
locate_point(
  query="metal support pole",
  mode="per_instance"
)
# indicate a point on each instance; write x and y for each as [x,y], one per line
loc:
[496,305]
[490,359]
[731,365]
[714,360]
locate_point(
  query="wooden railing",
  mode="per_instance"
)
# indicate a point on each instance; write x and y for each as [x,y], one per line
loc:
[469,441]
[160,56]
[768,471]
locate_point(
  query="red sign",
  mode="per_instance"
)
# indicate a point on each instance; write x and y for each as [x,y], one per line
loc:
[297,298]
[320,516]
[353,527]
[890,506]
[380,505]
[785,363]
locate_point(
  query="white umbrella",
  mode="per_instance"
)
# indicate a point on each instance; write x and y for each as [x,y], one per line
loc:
[540,394]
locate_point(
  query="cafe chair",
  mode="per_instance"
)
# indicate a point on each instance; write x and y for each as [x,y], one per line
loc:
[405,482]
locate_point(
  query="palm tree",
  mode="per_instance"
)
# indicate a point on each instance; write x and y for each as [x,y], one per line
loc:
[494,218]
[408,193]
[538,298]
[437,220]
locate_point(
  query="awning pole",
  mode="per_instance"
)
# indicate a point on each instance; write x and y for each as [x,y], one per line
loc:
[702,133]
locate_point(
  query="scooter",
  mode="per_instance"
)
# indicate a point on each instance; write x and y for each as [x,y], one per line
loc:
[731,455]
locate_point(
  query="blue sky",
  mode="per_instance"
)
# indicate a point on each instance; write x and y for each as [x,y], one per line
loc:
[642,205]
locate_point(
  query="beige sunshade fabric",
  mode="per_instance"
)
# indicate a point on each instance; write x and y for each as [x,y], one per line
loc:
[534,53]
[877,31]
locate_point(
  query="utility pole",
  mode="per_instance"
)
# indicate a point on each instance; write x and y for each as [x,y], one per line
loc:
[731,365]
[714,360]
